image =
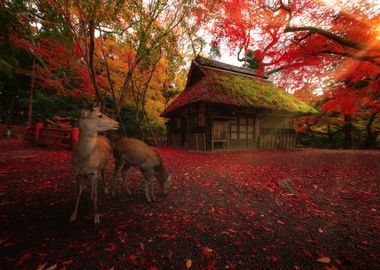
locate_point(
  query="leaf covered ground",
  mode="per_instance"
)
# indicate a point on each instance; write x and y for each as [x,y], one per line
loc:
[224,211]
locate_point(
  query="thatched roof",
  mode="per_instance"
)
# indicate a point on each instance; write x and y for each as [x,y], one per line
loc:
[215,82]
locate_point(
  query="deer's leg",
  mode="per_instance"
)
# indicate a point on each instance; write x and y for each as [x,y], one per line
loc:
[151,183]
[147,190]
[94,190]
[147,178]
[119,164]
[105,186]
[79,182]
[124,176]
[92,193]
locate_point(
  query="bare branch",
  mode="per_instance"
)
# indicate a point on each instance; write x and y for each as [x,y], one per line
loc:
[347,43]
[315,30]
[369,58]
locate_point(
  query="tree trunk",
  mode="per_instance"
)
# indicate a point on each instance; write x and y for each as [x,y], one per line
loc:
[370,142]
[153,134]
[139,122]
[31,94]
[91,29]
[125,87]
[331,136]
[312,132]
[348,131]
[9,119]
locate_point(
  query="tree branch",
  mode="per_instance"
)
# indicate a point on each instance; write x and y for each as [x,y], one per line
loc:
[91,61]
[315,30]
[276,70]
[369,58]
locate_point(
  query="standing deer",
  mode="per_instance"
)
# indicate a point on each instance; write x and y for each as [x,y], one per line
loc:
[132,152]
[90,156]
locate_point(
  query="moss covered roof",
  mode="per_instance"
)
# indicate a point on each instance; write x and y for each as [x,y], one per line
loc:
[231,88]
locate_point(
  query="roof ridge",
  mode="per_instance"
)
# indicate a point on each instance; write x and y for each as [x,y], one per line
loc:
[207,62]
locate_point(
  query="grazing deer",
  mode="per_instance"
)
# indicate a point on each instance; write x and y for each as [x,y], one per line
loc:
[132,152]
[90,156]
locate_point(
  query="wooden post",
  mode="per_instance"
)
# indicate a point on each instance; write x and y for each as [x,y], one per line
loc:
[204,142]
[257,130]
[37,128]
[212,136]
[31,93]
[74,133]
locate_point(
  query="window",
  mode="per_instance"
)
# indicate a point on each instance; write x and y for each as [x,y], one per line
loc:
[251,128]
[242,128]
[234,129]
[243,122]
[220,130]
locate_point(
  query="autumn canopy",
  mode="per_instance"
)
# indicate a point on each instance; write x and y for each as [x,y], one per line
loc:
[133,55]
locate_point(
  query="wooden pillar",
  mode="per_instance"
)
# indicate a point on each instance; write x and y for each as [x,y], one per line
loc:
[257,130]
[37,128]
[31,94]
[74,133]
[212,135]
[209,138]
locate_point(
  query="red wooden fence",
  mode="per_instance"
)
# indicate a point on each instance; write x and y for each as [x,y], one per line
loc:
[53,137]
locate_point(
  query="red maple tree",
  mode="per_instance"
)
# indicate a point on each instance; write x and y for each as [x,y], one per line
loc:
[335,45]
[57,67]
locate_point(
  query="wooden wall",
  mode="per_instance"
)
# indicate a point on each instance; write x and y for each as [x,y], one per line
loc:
[215,127]
[277,139]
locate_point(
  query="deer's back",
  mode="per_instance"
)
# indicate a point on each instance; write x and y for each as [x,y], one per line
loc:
[136,153]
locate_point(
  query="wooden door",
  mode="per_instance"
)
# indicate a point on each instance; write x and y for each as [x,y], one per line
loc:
[242,133]
[220,135]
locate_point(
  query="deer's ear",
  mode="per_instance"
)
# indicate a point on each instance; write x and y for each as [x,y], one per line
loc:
[96,106]
[85,113]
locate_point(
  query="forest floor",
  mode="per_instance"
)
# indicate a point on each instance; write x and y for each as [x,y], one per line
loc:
[224,211]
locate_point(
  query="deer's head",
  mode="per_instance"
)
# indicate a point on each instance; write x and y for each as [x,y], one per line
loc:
[92,120]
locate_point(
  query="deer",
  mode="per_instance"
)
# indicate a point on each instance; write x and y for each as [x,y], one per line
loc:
[133,152]
[90,155]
